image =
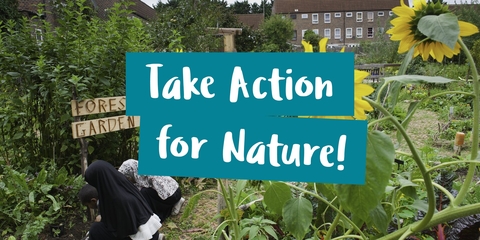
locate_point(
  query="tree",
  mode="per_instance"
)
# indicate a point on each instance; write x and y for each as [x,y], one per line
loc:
[312,38]
[190,22]
[277,31]
[9,11]
[241,7]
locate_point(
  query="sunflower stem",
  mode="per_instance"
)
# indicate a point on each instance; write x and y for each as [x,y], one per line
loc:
[426,176]
[476,110]
[332,227]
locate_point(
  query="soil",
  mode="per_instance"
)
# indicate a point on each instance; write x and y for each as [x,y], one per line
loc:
[74,228]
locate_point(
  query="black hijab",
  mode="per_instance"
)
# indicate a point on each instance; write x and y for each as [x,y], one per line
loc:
[122,207]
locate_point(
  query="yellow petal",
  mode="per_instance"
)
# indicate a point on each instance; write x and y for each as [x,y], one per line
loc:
[308,47]
[360,114]
[363,90]
[467,29]
[359,103]
[437,52]
[406,44]
[419,4]
[323,44]
[360,75]
[403,11]
[343,49]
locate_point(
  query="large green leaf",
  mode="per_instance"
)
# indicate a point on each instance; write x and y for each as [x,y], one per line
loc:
[361,199]
[276,196]
[380,219]
[442,28]
[419,79]
[297,215]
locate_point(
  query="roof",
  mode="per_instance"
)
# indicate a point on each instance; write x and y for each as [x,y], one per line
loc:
[310,6]
[251,20]
[140,8]
[28,5]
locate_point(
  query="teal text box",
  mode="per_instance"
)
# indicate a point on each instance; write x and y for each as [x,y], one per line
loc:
[309,136]
[312,84]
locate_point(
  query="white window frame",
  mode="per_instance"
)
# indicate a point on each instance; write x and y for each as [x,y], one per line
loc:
[327,33]
[314,15]
[339,35]
[295,35]
[359,16]
[303,32]
[305,16]
[327,18]
[349,14]
[359,32]
[390,13]
[338,14]
[373,32]
[370,16]
[380,14]
[381,30]
[315,31]
[348,33]
[39,34]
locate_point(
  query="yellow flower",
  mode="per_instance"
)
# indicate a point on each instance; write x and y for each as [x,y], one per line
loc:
[360,89]
[405,30]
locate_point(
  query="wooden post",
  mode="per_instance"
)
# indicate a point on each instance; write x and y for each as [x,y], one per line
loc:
[459,140]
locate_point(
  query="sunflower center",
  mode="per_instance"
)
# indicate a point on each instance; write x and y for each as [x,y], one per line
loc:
[435,7]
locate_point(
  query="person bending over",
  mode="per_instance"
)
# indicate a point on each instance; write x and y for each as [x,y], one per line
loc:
[125,214]
[88,196]
[162,193]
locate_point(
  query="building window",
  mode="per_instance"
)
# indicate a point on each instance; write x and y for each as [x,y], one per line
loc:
[293,16]
[338,14]
[327,18]
[380,14]
[326,33]
[303,32]
[338,33]
[369,32]
[349,14]
[370,16]
[381,30]
[315,31]
[359,16]
[305,16]
[359,32]
[315,18]
[390,13]
[348,33]
[294,35]
[39,35]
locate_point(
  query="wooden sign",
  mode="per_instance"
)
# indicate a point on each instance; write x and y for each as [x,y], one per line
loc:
[104,125]
[98,105]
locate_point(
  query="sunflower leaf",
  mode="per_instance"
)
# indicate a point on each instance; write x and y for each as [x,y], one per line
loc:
[442,28]
[360,200]
[418,79]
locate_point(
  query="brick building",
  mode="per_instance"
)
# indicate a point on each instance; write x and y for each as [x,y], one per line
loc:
[345,23]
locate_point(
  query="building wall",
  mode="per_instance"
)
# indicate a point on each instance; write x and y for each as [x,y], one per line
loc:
[338,23]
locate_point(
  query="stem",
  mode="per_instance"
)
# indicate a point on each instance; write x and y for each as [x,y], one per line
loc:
[418,160]
[330,205]
[451,163]
[332,228]
[441,188]
[476,110]
[446,215]
[347,236]
[376,121]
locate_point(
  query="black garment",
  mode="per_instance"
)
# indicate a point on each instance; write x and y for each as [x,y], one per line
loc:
[163,208]
[121,205]
[98,231]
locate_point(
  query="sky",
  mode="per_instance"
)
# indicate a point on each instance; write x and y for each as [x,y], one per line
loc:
[152,2]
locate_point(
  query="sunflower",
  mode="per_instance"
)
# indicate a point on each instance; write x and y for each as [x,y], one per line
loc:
[405,30]
[360,89]
[322,44]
